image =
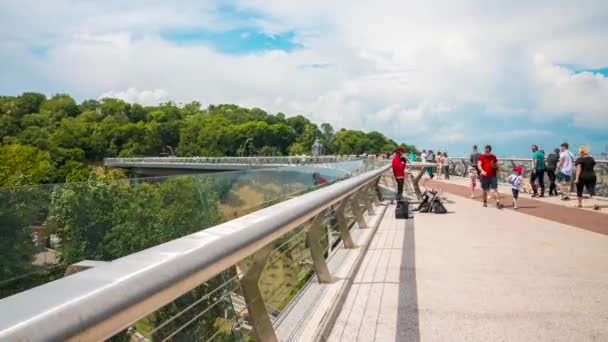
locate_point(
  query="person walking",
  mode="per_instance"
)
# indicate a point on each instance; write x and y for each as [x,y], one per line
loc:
[412,157]
[488,167]
[439,160]
[552,160]
[430,158]
[473,175]
[398,165]
[423,156]
[565,166]
[474,158]
[537,172]
[515,179]
[446,165]
[585,176]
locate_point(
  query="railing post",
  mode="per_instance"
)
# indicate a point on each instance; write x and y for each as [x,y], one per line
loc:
[313,241]
[367,195]
[249,276]
[343,225]
[356,208]
[378,193]
[416,184]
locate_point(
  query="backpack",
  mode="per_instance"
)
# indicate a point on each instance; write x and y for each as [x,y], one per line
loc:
[425,205]
[437,207]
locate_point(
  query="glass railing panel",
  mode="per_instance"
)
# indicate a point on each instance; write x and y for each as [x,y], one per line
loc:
[47,228]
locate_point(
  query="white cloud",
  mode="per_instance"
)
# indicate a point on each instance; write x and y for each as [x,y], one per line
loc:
[144,97]
[405,68]
[584,95]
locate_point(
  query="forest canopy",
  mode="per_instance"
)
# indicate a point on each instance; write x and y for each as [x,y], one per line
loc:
[54,140]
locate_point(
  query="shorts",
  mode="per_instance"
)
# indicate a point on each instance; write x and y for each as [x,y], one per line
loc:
[586,183]
[489,183]
[515,193]
[563,178]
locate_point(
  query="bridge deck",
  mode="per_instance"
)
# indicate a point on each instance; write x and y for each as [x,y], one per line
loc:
[478,274]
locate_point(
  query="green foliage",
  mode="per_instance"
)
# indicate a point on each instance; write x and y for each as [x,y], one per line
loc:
[22,164]
[95,129]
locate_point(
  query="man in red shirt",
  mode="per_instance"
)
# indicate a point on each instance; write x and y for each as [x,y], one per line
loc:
[398,165]
[488,167]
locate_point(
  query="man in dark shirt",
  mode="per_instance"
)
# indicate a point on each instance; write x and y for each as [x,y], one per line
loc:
[552,161]
[474,158]
[538,171]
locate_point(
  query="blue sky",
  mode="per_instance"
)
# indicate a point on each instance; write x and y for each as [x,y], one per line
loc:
[436,74]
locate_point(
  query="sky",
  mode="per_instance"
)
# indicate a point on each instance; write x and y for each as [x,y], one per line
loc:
[437,74]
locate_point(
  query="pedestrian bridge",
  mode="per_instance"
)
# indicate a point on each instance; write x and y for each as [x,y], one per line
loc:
[186,165]
[478,274]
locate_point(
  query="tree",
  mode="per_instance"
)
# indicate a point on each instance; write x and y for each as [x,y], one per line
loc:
[298,123]
[327,137]
[22,164]
[60,106]
[30,102]
[303,144]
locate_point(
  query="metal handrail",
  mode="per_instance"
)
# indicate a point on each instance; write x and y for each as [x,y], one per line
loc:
[100,302]
[282,160]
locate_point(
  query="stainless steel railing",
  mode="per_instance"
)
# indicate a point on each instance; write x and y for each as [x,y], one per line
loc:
[100,302]
[290,160]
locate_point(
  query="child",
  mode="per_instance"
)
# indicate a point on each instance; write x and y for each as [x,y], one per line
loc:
[515,180]
[473,177]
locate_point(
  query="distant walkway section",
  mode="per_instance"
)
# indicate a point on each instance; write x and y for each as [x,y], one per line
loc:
[564,212]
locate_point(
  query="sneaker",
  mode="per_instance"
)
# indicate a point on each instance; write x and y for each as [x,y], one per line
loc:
[499,205]
[534,195]
[485,204]
[542,195]
[596,207]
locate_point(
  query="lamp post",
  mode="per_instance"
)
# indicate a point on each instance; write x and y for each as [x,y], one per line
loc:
[317,148]
[245,146]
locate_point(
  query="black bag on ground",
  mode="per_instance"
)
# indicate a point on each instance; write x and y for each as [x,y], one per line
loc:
[437,207]
[402,210]
[425,203]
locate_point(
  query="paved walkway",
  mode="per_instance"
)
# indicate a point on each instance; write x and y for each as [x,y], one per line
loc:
[478,275]
[562,211]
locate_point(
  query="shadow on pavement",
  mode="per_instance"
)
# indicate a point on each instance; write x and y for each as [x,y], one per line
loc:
[407,314]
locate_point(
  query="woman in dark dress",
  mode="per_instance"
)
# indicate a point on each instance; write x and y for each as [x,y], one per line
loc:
[585,175]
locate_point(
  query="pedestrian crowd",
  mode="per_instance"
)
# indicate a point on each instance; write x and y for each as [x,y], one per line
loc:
[562,168]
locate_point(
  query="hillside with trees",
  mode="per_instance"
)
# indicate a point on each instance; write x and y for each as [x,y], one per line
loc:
[56,140]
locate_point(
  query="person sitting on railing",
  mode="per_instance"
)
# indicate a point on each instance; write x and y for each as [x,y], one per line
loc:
[398,165]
